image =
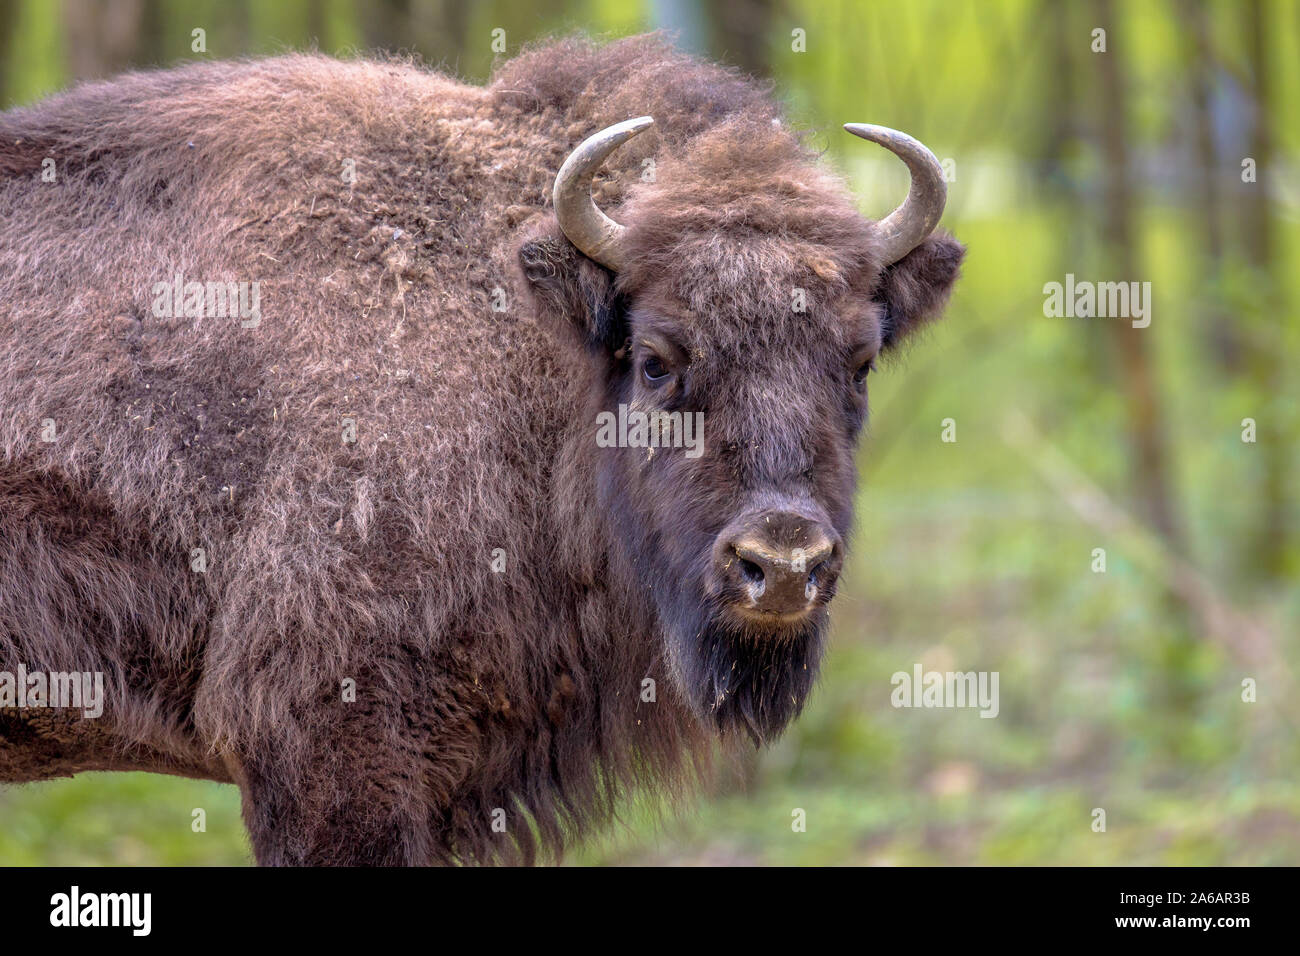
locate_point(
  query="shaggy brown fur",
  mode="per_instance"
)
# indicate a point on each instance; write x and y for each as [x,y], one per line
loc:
[372,561]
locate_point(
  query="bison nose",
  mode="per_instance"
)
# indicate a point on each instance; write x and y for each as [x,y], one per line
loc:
[782,564]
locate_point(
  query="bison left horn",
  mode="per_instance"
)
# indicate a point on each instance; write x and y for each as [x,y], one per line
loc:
[904,228]
[595,234]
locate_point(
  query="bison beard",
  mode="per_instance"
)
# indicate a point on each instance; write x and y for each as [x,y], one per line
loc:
[399,641]
[736,677]
[747,680]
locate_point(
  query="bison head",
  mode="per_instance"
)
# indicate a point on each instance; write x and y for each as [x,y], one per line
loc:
[742,300]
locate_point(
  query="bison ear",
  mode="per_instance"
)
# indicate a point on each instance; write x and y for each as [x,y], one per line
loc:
[914,289]
[579,293]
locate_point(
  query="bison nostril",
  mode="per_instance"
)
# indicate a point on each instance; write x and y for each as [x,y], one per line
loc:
[820,579]
[824,573]
[752,572]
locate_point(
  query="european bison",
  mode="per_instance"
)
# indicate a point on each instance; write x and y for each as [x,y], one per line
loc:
[329,417]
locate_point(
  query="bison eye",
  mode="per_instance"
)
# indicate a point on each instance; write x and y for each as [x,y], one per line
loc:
[654,370]
[860,375]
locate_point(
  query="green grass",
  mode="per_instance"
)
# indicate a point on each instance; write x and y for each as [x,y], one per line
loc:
[124,819]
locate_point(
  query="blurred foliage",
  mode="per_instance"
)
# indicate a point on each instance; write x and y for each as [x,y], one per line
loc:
[1118,690]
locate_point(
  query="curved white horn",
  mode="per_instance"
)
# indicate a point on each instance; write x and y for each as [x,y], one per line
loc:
[904,228]
[595,234]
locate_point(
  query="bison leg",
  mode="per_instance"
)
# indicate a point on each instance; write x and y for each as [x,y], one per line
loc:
[288,827]
[355,771]
[345,793]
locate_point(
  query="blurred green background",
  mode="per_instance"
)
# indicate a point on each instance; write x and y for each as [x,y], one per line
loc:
[1120,690]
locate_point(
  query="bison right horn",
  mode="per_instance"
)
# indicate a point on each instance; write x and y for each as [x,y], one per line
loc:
[595,234]
[904,228]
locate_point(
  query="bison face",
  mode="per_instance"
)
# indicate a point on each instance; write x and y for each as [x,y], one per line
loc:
[738,538]
[729,387]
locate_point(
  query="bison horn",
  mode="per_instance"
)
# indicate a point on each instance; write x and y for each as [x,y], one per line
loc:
[904,228]
[595,234]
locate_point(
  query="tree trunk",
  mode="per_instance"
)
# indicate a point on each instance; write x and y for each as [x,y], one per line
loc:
[101,37]
[1268,555]
[440,33]
[1146,435]
[741,33]
[318,25]
[386,25]
[8,24]
[1222,333]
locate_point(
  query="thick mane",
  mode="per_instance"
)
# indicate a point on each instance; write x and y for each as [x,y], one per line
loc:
[576,87]
[596,85]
